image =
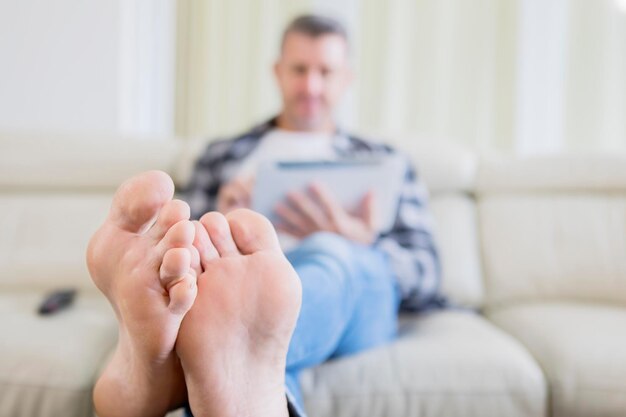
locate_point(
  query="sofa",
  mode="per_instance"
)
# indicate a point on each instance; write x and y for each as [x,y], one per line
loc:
[534,267]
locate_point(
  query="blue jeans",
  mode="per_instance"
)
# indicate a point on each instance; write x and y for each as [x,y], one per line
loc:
[349,303]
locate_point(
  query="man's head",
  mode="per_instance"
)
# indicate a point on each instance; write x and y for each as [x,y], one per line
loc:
[313,72]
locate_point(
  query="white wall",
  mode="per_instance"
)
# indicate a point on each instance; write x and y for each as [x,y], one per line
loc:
[58,65]
[87,66]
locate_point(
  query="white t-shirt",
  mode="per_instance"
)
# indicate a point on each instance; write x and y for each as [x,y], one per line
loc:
[286,145]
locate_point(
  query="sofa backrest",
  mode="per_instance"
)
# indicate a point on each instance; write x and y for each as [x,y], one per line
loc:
[553,228]
[541,228]
[56,190]
[54,193]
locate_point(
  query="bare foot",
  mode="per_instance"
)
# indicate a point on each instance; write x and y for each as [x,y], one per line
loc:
[142,258]
[233,342]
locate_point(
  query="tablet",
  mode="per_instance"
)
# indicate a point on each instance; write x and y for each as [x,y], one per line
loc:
[347,180]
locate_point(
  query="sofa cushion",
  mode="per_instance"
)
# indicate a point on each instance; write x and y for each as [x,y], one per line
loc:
[554,246]
[44,238]
[48,364]
[443,364]
[582,350]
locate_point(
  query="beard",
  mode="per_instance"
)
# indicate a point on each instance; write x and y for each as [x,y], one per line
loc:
[308,113]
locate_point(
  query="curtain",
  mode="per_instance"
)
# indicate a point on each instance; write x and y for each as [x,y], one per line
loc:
[595,93]
[524,76]
[225,53]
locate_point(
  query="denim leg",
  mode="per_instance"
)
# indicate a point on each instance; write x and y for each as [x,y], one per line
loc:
[349,302]
[374,320]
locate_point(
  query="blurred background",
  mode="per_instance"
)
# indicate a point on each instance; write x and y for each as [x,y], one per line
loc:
[525,76]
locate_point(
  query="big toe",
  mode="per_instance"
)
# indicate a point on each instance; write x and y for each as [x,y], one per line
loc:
[251,231]
[138,200]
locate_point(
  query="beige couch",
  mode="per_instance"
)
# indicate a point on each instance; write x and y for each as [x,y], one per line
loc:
[538,246]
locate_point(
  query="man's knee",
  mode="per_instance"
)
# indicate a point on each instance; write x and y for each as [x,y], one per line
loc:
[328,243]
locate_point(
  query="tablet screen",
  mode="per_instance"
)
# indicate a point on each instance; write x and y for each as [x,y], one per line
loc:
[346,180]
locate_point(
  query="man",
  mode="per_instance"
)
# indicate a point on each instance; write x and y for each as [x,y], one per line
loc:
[399,265]
[211,313]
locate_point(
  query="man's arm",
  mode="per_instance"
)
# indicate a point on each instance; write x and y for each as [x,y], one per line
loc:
[411,247]
[201,192]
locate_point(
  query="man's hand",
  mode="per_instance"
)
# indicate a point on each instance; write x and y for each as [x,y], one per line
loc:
[304,214]
[235,194]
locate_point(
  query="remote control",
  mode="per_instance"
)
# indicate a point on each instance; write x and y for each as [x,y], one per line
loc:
[56,301]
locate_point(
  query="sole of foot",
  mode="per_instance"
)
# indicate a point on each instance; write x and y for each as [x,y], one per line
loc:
[233,342]
[143,259]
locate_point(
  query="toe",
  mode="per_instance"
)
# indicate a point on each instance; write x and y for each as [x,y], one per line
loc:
[219,232]
[179,279]
[203,245]
[172,212]
[180,235]
[183,294]
[138,200]
[251,231]
[176,264]
[196,262]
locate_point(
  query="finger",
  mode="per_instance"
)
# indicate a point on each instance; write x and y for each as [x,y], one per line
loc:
[248,183]
[290,230]
[291,217]
[239,191]
[226,198]
[244,187]
[232,196]
[310,209]
[368,209]
[329,203]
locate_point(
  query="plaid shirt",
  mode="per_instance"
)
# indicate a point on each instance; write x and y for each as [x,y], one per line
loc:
[409,244]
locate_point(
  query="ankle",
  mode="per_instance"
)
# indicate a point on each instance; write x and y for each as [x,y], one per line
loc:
[133,384]
[251,398]
[230,386]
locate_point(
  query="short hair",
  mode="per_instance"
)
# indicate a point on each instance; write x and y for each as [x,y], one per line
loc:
[315,26]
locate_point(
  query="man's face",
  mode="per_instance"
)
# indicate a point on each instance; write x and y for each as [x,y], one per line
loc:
[312,73]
